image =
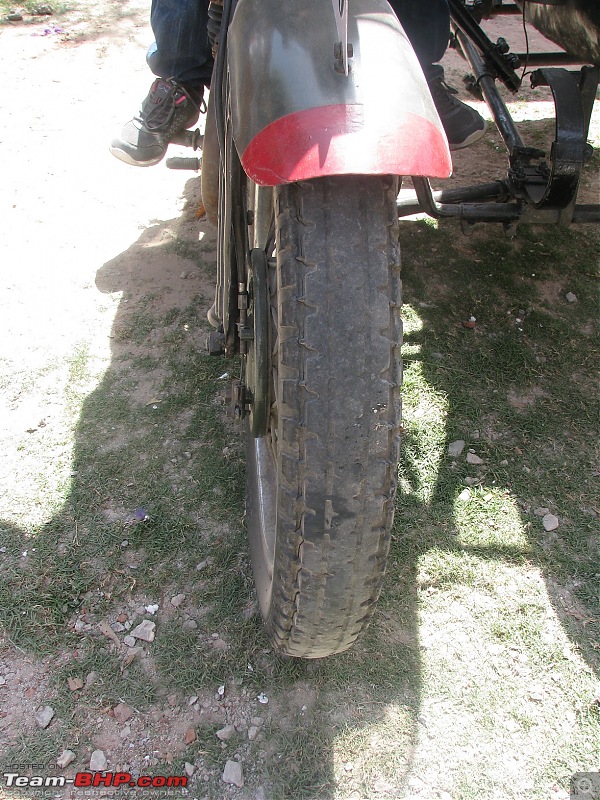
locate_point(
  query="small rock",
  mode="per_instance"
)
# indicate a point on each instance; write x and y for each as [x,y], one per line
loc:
[190,736]
[125,732]
[144,631]
[193,699]
[183,275]
[44,716]
[151,609]
[107,631]
[541,512]
[256,721]
[2,681]
[117,627]
[474,459]
[75,684]
[455,448]
[189,769]
[91,678]
[177,600]
[233,773]
[14,17]
[253,732]
[225,733]
[98,762]
[189,625]
[550,522]
[44,11]
[471,481]
[464,495]
[122,712]
[129,641]
[570,297]
[67,757]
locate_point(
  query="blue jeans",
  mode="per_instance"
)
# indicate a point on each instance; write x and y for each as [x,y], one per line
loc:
[182,49]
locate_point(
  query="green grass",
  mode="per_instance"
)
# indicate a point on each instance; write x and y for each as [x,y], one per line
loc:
[477,675]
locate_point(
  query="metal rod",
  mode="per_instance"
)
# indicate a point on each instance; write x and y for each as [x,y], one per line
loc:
[486,191]
[586,213]
[496,104]
[548,59]
[467,25]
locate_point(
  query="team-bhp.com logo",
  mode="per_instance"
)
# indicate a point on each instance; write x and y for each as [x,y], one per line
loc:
[95,779]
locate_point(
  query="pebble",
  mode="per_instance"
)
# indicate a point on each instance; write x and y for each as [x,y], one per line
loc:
[98,762]
[67,757]
[2,681]
[570,297]
[190,736]
[129,641]
[144,631]
[471,481]
[92,677]
[455,448]
[225,733]
[44,716]
[550,522]
[541,512]
[233,773]
[152,609]
[122,712]
[14,17]
[189,625]
[189,769]
[464,495]
[177,600]
[474,459]
[253,732]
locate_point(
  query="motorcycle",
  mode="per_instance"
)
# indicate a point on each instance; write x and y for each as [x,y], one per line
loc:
[303,156]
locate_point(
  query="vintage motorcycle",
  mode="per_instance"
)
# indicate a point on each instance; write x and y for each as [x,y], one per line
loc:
[303,155]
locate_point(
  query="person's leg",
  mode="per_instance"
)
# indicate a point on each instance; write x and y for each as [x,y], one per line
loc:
[427,25]
[182,59]
[182,47]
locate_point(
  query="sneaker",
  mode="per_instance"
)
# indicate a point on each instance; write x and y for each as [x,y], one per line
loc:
[167,110]
[463,125]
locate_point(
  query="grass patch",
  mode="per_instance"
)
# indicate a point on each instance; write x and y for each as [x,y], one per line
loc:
[477,676]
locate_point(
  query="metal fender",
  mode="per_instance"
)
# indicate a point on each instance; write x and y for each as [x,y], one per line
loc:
[295,117]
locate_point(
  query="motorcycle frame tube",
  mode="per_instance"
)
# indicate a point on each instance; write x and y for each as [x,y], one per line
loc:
[296,118]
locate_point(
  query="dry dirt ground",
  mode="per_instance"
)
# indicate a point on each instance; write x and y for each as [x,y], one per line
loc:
[78,232]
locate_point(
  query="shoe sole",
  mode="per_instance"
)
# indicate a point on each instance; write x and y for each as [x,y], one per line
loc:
[126,158]
[474,137]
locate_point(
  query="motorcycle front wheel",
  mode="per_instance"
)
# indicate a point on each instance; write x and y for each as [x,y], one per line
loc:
[321,482]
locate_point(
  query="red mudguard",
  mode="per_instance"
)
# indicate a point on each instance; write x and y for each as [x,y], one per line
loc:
[295,117]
